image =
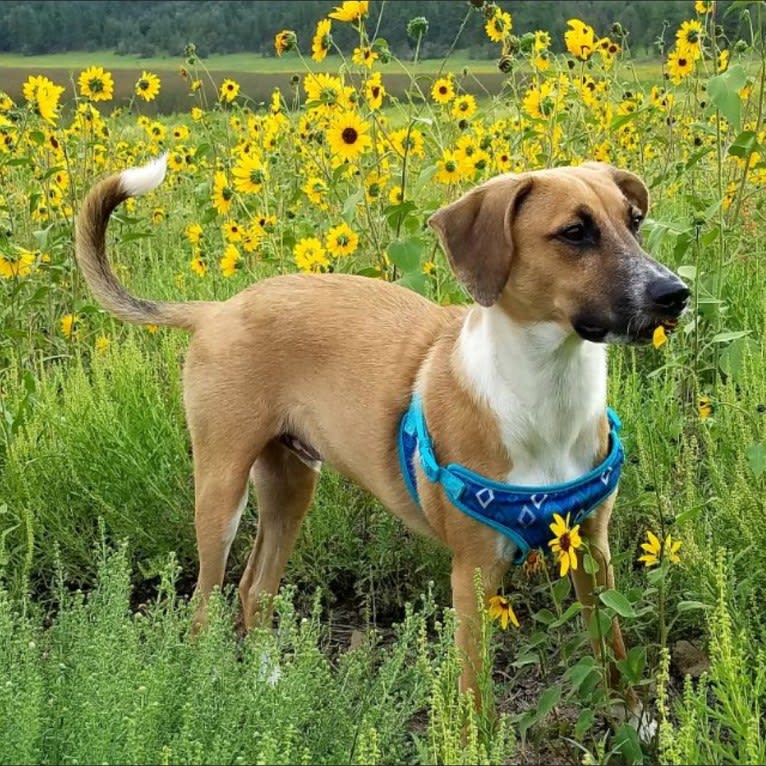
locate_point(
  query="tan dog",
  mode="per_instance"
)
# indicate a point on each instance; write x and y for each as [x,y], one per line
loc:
[316,368]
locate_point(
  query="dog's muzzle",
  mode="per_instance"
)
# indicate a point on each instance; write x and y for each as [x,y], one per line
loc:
[634,318]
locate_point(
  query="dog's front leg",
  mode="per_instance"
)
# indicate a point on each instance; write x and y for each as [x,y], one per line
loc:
[467,604]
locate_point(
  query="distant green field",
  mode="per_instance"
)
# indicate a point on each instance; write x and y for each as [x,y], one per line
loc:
[231,62]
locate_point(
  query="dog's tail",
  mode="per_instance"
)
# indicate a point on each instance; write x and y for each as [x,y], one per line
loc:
[90,250]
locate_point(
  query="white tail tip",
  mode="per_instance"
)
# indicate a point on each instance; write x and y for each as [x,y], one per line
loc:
[138,181]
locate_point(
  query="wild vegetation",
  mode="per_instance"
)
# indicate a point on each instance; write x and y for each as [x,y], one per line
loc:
[333,173]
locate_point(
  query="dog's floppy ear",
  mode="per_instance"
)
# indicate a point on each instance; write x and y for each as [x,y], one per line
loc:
[630,184]
[476,234]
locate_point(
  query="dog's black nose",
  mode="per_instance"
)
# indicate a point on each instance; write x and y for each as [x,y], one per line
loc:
[669,295]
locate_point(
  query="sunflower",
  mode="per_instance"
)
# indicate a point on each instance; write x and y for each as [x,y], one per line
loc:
[158,215]
[222,193]
[655,551]
[249,174]
[350,10]
[176,161]
[450,168]
[542,41]
[284,41]
[320,43]
[659,336]
[96,84]
[310,255]
[704,407]
[347,136]
[316,189]
[443,91]
[365,56]
[498,26]
[69,325]
[180,132]
[374,91]
[500,609]
[565,543]
[232,231]
[464,107]
[148,86]
[723,60]
[230,261]
[196,113]
[21,266]
[395,195]
[680,66]
[198,265]
[407,141]
[327,90]
[689,39]
[229,90]
[342,240]
[102,344]
[703,6]
[194,233]
[41,92]
[580,39]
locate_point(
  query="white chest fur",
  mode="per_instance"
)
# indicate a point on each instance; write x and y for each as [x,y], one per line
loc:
[546,387]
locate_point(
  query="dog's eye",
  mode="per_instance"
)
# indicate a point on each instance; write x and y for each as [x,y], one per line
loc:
[635,222]
[574,234]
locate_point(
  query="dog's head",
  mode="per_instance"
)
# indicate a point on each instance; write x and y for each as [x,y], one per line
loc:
[563,245]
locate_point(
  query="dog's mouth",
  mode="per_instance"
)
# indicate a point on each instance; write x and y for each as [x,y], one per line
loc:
[635,332]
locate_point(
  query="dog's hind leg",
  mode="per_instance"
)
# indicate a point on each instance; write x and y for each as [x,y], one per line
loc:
[220,486]
[284,486]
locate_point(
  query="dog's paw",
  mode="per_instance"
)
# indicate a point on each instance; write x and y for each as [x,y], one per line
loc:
[635,715]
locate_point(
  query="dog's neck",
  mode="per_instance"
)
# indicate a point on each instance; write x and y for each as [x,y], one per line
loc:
[545,386]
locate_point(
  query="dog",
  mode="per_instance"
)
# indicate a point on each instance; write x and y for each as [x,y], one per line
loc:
[302,369]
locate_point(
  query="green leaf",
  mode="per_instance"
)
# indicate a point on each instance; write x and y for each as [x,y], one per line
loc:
[561,589]
[405,254]
[632,667]
[548,700]
[599,625]
[687,272]
[618,602]
[626,741]
[349,207]
[756,458]
[745,144]
[726,337]
[579,672]
[545,616]
[732,358]
[589,564]
[570,612]
[691,606]
[584,723]
[723,93]
[415,281]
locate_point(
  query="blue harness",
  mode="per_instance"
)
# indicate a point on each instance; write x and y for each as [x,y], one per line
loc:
[521,513]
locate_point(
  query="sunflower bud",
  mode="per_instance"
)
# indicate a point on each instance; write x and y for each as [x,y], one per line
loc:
[477,3]
[527,42]
[740,46]
[505,64]
[617,29]
[417,27]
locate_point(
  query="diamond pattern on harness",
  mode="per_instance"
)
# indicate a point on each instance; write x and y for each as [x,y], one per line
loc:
[526,517]
[485,497]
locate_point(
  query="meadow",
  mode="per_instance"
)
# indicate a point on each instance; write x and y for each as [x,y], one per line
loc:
[336,171]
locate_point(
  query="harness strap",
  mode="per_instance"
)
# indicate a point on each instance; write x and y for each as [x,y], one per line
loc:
[522,513]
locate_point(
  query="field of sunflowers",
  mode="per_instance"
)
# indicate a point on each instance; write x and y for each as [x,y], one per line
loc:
[336,173]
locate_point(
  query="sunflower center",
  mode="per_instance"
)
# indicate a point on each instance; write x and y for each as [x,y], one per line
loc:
[96,85]
[443,90]
[565,542]
[143,84]
[349,135]
[450,166]
[342,240]
[256,176]
[375,91]
[681,62]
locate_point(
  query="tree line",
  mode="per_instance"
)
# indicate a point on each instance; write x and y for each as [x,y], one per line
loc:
[164,27]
